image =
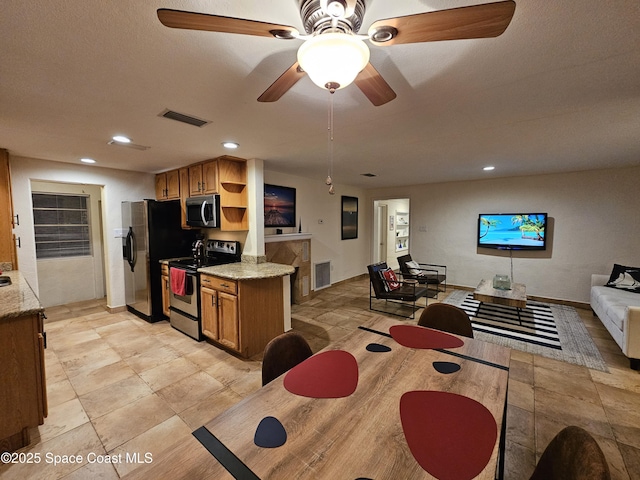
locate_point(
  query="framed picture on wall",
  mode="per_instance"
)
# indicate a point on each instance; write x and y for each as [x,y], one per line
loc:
[279,206]
[349,217]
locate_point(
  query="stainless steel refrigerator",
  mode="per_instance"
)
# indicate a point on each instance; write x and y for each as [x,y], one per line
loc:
[153,232]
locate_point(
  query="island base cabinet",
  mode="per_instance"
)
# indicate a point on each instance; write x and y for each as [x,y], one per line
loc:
[243,321]
[23,397]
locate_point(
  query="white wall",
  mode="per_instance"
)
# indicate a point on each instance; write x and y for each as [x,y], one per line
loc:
[349,258]
[594,223]
[118,186]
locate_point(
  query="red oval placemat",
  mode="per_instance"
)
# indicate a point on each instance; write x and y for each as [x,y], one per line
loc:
[451,436]
[415,336]
[331,374]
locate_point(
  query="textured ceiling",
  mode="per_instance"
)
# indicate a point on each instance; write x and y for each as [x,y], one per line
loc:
[558,91]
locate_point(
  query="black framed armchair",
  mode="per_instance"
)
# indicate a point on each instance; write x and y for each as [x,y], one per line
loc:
[382,286]
[432,275]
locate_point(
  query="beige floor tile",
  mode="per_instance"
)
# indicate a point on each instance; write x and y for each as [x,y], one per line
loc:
[248,383]
[54,371]
[71,352]
[90,361]
[118,394]
[62,418]
[150,445]
[152,358]
[168,373]
[569,385]
[101,377]
[521,427]
[129,346]
[190,390]
[94,471]
[624,379]
[127,326]
[209,408]
[128,422]
[229,370]
[519,462]
[623,412]
[571,411]
[60,392]
[59,340]
[521,395]
[79,441]
[521,371]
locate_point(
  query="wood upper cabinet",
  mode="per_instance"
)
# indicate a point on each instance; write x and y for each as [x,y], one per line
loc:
[168,185]
[7,239]
[203,178]
[242,315]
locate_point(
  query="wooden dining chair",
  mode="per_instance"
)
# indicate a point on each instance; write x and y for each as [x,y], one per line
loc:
[283,353]
[448,318]
[573,454]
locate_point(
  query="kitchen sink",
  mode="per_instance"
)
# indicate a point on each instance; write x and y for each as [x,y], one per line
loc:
[4,281]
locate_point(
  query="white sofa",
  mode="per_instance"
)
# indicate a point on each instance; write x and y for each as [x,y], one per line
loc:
[619,312]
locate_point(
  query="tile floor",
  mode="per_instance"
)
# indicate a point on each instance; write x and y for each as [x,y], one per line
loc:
[119,385]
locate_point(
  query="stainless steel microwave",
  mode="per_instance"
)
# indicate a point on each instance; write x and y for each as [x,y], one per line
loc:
[203,211]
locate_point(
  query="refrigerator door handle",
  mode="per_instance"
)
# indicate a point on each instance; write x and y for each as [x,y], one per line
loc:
[131,249]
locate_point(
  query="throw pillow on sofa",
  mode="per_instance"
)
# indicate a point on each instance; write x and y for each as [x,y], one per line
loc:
[625,278]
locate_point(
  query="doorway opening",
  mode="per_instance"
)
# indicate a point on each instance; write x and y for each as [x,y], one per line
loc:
[391,230]
[69,242]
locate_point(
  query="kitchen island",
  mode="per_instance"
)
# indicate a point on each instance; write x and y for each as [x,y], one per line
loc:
[23,397]
[244,305]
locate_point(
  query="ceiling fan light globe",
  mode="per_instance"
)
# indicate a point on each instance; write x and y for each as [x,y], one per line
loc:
[333,58]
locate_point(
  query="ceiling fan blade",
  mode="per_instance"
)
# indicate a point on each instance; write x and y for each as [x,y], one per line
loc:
[374,87]
[476,21]
[217,23]
[282,85]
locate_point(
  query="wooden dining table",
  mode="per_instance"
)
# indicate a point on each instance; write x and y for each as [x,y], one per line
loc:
[356,436]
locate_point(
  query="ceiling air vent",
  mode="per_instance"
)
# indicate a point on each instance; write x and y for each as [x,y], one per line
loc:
[181,117]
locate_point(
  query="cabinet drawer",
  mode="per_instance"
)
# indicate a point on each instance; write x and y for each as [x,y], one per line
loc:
[221,284]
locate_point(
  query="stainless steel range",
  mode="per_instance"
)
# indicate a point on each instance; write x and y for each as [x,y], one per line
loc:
[185,308]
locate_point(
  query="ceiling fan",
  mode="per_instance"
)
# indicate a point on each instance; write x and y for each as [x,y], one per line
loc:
[334,54]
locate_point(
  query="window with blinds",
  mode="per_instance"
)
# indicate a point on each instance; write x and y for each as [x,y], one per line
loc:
[61,225]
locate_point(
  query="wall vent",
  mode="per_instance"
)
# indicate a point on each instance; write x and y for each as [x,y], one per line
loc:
[322,273]
[181,117]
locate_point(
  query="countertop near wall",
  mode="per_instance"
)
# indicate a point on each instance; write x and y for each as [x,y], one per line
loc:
[18,298]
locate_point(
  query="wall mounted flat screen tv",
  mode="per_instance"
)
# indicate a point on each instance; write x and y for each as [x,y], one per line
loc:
[279,206]
[512,231]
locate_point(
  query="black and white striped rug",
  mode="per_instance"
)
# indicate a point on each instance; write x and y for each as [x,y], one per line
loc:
[533,324]
[551,330]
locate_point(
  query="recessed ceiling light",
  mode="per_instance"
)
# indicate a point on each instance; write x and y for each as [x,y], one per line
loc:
[87,160]
[489,168]
[230,144]
[121,139]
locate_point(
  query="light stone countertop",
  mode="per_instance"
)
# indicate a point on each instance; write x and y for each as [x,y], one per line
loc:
[17,299]
[248,271]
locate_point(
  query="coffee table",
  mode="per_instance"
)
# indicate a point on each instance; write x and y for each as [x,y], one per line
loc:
[516,297]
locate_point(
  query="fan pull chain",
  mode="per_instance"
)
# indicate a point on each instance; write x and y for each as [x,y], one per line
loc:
[329,180]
